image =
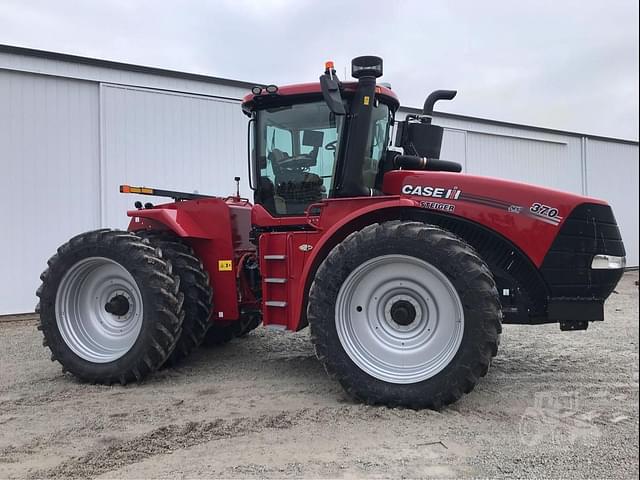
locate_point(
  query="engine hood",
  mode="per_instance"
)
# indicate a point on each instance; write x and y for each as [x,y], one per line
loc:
[530,216]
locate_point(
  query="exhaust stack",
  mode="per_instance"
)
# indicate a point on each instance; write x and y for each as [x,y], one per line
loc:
[434,97]
[416,135]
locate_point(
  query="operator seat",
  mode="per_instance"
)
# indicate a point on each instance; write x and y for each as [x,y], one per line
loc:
[267,192]
[297,187]
[272,202]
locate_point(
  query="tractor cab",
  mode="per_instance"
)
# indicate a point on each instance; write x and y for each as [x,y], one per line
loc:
[302,135]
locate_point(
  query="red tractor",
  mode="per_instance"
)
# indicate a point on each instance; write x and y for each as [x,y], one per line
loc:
[404,268]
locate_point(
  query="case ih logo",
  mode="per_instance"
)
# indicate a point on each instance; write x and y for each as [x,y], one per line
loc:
[433,192]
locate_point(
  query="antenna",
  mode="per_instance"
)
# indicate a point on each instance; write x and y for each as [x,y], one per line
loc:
[237,179]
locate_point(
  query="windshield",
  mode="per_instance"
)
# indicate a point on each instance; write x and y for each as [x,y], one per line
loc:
[297,148]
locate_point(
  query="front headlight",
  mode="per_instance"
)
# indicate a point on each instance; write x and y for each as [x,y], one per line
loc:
[608,262]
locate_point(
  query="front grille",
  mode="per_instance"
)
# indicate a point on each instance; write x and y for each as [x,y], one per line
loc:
[589,230]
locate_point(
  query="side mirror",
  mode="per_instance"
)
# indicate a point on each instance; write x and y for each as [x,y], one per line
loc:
[331,94]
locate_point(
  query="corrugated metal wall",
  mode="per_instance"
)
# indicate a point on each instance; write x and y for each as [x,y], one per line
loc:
[171,141]
[49,150]
[66,145]
[612,173]
[537,161]
[70,134]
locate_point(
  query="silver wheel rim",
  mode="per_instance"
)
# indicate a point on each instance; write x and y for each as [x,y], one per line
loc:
[383,344]
[87,327]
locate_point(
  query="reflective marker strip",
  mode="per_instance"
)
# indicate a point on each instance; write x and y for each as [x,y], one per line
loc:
[130,189]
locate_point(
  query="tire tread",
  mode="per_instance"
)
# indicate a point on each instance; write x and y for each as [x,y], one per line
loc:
[194,288]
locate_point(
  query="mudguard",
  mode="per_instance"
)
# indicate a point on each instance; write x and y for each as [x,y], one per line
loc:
[218,231]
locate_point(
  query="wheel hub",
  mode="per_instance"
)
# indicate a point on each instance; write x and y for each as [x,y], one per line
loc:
[118,305]
[401,310]
[403,313]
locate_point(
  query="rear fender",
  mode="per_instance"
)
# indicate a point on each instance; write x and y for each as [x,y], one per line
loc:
[218,231]
[162,218]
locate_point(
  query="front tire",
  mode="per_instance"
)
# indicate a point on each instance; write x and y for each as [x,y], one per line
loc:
[404,314]
[110,307]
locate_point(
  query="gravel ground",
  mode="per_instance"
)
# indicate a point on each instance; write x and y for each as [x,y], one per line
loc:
[554,404]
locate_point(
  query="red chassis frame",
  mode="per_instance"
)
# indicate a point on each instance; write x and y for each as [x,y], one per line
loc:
[291,248]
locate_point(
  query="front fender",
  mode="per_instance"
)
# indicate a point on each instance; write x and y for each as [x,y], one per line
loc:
[337,218]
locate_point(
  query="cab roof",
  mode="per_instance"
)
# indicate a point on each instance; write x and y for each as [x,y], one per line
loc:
[302,90]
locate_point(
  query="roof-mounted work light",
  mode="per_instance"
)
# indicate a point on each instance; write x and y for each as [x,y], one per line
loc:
[367,66]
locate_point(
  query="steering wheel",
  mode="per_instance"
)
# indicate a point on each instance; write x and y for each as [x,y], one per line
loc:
[331,146]
[292,161]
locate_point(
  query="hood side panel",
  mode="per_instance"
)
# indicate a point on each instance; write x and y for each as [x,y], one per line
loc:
[529,216]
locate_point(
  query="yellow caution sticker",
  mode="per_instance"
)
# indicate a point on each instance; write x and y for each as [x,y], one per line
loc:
[365,100]
[225,265]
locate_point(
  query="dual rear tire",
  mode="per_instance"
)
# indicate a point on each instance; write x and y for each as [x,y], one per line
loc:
[116,306]
[194,285]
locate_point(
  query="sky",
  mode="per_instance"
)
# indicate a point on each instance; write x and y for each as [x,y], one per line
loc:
[570,65]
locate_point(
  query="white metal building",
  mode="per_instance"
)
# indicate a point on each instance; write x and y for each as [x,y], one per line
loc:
[72,129]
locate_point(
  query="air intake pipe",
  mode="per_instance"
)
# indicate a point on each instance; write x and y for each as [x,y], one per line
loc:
[366,70]
[413,162]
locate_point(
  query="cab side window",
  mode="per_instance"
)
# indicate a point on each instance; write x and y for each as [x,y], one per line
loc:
[296,156]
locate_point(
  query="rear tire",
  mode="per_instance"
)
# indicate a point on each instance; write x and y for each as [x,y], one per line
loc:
[404,314]
[110,307]
[250,322]
[194,284]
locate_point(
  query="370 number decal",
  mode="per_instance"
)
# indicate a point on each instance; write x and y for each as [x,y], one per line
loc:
[544,210]
[546,213]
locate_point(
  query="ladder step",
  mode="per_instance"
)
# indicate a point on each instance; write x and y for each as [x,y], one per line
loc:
[276,327]
[274,303]
[275,280]
[275,257]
